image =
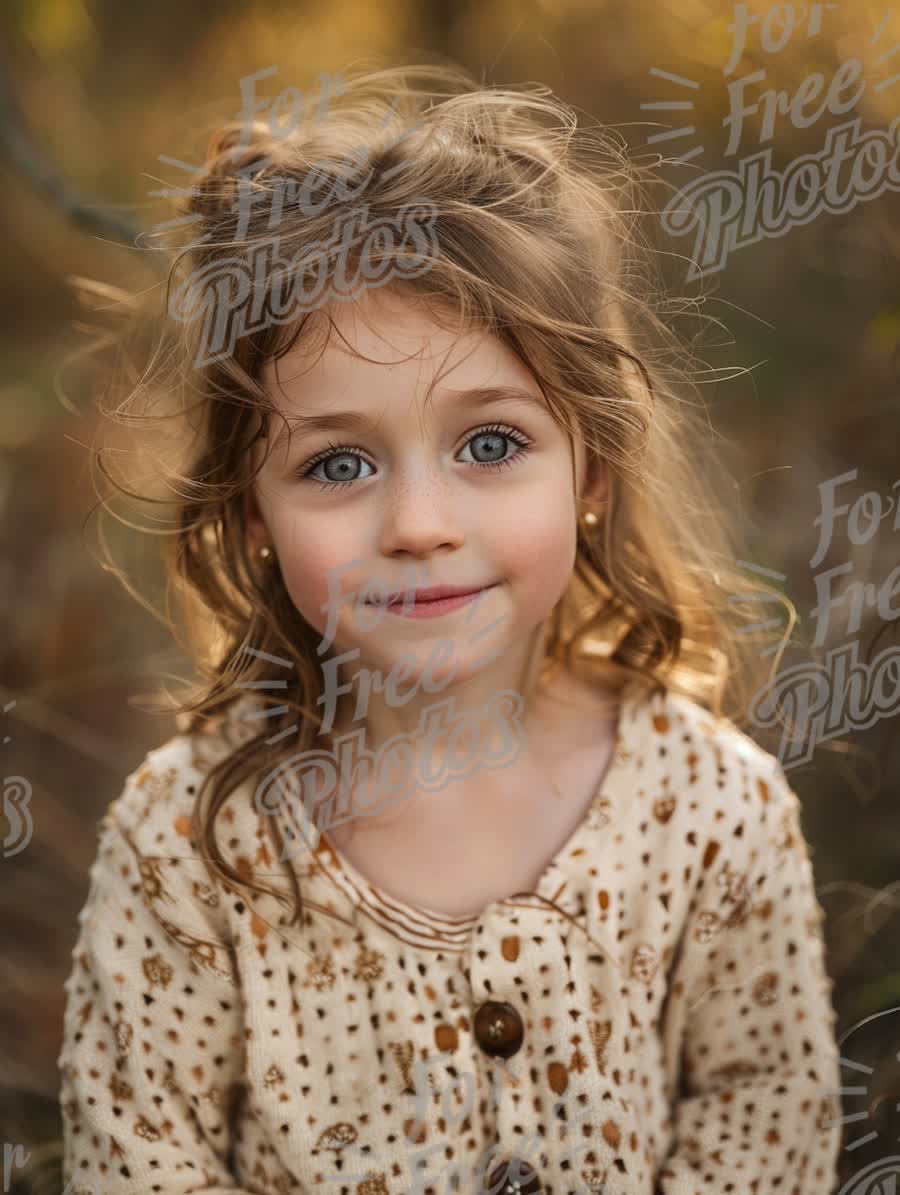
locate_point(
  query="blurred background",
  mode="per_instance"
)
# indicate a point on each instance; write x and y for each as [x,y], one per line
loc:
[95,95]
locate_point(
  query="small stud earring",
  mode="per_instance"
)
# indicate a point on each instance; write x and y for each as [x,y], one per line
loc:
[265,553]
[591,519]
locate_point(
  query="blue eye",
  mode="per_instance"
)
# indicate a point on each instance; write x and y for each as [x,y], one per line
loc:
[494,437]
[337,456]
[340,456]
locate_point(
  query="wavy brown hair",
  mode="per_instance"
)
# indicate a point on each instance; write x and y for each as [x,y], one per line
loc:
[538,239]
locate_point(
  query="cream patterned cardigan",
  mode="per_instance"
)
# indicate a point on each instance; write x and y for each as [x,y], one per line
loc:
[655,1019]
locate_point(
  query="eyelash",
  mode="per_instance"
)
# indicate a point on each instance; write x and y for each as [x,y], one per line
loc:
[524,445]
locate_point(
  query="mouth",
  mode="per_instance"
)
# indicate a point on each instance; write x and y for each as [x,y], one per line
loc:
[434,600]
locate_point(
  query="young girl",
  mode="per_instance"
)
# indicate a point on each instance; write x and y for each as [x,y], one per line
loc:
[456,877]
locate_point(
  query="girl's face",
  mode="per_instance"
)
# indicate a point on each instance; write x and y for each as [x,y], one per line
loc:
[469,489]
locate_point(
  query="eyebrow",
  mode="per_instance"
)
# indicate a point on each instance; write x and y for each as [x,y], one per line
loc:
[300,426]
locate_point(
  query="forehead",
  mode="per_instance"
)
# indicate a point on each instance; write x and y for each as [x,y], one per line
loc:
[398,344]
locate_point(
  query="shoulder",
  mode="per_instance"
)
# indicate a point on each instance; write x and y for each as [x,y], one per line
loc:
[714,809]
[687,728]
[718,778]
[159,796]
[151,822]
[149,862]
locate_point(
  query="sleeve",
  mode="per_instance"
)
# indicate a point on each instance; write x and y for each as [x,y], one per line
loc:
[752,1022]
[151,1061]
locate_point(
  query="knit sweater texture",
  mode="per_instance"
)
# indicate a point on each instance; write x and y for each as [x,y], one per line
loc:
[654,1019]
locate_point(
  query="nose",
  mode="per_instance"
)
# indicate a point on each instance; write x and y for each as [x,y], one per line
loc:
[419,517]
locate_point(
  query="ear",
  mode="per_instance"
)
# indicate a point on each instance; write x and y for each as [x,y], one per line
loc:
[596,482]
[257,532]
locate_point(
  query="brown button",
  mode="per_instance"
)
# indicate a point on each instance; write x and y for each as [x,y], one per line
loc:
[498,1028]
[514,1177]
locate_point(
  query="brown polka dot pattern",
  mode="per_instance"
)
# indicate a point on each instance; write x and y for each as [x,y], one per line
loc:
[667,975]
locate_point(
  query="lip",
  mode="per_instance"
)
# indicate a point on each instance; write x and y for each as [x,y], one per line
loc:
[433,601]
[434,593]
[436,607]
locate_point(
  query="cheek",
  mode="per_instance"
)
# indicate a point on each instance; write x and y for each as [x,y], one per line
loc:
[316,567]
[535,552]
[528,544]
[330,590]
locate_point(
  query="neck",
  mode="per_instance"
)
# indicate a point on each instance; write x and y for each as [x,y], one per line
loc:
[433,739]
